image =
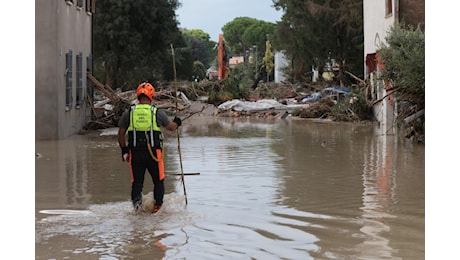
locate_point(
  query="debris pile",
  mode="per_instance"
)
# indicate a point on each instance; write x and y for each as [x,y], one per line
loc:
[267,101]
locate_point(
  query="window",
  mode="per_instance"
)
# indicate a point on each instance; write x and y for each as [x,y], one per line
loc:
[68,82]
[69,2]
[90,6]
[389,7]
[79,80]
[79,4]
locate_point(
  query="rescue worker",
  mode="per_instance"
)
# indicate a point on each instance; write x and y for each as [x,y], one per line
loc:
[144,149]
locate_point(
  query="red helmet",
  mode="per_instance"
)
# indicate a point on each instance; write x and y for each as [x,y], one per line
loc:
[146,89]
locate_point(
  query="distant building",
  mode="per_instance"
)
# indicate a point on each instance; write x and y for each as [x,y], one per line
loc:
[62,58]
[281,63]
[379,16]
[235,61]
[212,73]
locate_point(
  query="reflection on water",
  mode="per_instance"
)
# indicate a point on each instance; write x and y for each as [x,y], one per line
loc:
[378,194]
[282,189]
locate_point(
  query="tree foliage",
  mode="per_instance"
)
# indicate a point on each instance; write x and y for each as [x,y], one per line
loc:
[233,33]
[268,59]
[132,41]
[236,83]
[403,57]
[242,33]
[199,71]
[310,30]
[203,49]
[184,63]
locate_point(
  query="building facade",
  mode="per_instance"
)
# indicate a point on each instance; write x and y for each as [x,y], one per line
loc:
[281,63]
[379,16]
[63,36]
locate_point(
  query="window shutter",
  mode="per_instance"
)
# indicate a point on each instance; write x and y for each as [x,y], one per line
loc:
[79,79]
[68,84]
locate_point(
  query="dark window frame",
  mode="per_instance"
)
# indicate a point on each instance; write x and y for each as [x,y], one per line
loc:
[90,6]
[388,7]
[80,91]
[68,80]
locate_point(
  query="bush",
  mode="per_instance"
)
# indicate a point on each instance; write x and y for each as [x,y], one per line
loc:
[404,63]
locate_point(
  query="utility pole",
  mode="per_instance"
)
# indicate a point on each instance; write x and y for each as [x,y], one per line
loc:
[255,47]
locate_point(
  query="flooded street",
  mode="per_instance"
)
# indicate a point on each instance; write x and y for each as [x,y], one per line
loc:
[267,189]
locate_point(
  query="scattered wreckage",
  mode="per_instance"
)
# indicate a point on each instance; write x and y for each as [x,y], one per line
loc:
[111,104]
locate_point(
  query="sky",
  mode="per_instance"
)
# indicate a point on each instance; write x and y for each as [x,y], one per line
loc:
[211,15]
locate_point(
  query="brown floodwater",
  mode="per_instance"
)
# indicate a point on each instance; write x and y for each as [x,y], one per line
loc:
[266,189]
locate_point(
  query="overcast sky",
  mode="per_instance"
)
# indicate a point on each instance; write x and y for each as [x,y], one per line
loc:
[211,15]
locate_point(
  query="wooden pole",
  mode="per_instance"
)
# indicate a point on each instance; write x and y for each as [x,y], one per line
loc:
[177,130]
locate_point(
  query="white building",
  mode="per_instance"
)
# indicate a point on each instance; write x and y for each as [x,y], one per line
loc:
[379,16]
[280,64]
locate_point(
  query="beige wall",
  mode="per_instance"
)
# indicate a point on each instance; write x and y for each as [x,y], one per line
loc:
[59,27]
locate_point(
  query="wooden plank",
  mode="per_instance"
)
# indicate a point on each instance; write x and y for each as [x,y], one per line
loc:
[191,173]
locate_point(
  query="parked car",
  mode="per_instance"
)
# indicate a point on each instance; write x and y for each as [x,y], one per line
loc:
[314,97]
[335,93]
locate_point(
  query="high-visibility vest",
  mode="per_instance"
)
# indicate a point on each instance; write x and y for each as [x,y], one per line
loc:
[143,125]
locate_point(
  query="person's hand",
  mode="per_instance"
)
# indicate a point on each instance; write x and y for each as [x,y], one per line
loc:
[125,154]
[178,121]
[125,157]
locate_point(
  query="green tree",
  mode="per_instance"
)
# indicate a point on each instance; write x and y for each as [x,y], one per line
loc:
[233,33]
[184,63]
[269,63]
[403,57]
[202,48]
[132,40]
[258,33]
[199,71]
[310,30]
[242,33]
[255,36]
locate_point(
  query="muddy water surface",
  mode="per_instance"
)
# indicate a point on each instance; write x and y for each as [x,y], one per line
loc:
[279,189]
